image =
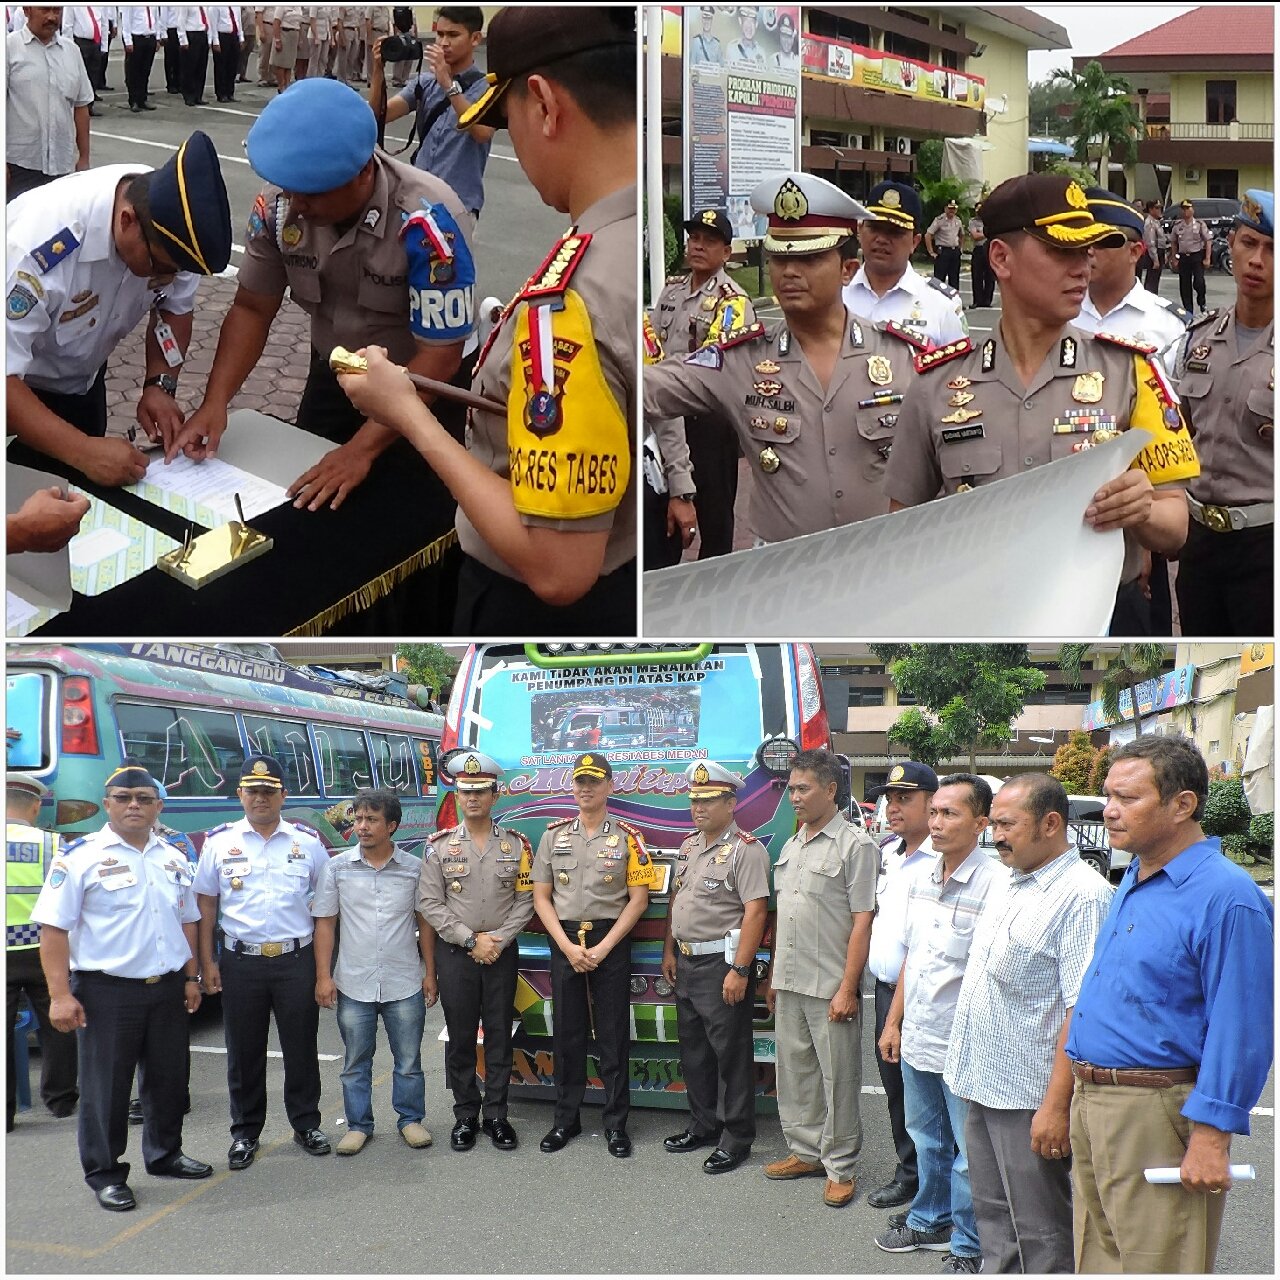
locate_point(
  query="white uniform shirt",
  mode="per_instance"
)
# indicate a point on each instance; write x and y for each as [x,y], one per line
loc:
[222,21]
[67,309]
[193,18]
[44,85]
[78,22]
[171,17]
[15,17]
[122,909]
[1141,315]
[278,877]
[889,928]
[139,20]
[937,314]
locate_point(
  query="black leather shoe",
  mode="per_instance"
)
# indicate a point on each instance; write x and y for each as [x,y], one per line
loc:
[559,1137]
[147,106]
[463,1135]
[182,1167]
[135,1111]
[891,1196]
[502,1134]
[119,1199]
[137,110]
[313,1142]
[720,1161]
[241,1153]
[687,1141]
[619,1143]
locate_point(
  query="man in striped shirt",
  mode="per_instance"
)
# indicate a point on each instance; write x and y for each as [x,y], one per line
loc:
[1030,951]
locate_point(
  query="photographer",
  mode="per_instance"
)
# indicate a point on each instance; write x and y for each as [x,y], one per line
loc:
[450,83]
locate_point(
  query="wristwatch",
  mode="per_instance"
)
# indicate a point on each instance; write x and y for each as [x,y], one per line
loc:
[455,88]
[470,943]
[742,970]
[165,381]
[193,979]
[686,497]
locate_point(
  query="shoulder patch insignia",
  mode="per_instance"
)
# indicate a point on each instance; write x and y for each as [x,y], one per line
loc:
[748,333]
[552,278]
[677,279]
[444,831]
[49,254]
[909,336]
[1129,344]
[749,836]
[706,358]
[926,360]
[943,287]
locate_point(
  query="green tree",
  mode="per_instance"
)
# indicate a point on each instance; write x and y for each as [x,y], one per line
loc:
[1104,113]
[1245,836]
[1073,763]
[1102,759]
[428,664]
[1044,120]
[1131,666]
[929,161]
[969,696]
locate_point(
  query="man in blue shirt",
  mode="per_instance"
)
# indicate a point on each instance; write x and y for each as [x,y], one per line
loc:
[1171,1039]
[440,94]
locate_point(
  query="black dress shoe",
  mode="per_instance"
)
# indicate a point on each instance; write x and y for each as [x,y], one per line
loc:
[313,1142]
[720,1161]
[137,110]
[687,1141]
[891,1196]
[619,1143]
[182,1167]
[559,1136]
[118,1198]
[147,106]
[502,1134]
[241,1153]
[463,1135]
[200,102]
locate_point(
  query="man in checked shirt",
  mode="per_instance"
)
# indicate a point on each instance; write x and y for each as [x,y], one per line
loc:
[1031,947]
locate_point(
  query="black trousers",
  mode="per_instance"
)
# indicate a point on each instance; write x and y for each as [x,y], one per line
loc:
[137,68]
[1191,277]
[661,550]
[1225,582]
[21,180]
[489,602]
[87,411]
[92,57]
[172,61]
[1131,613]
[253,988]
[24,976]
[473,995]
[609,1003]
[713,450]
[891,1078]
[1151,280]
[946,266]
[193,64]
[716,1052]
[226,62]
[130,1023]
[981,276]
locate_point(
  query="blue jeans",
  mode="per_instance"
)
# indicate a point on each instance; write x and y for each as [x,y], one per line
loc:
[403,1021]
[935,1121]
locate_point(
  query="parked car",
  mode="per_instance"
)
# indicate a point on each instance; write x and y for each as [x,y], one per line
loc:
[1217,214]
[1086,831]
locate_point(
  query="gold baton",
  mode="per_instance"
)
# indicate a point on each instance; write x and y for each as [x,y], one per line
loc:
[343,361]
[584,928]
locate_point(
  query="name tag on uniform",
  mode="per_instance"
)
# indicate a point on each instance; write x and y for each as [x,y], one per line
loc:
[237,866]
[954,435]
[117,877]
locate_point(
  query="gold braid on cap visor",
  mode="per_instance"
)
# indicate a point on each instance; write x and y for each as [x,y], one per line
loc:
[1086,234]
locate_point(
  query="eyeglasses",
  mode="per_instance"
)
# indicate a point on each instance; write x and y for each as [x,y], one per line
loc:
[133,797]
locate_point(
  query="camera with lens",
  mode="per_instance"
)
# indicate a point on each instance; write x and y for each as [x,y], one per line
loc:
[401,48]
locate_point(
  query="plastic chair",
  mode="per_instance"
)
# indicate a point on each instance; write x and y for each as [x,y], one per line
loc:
[21,1066]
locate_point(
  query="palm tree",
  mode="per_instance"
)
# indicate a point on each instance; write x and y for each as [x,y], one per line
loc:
[1105,112]
[1133,665]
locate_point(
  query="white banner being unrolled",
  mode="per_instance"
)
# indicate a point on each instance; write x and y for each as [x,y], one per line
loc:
[1014,558]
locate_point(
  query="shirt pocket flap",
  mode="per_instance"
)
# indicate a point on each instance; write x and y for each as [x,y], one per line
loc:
[1195,386]
[1262,402]
[978,459]
[826,865]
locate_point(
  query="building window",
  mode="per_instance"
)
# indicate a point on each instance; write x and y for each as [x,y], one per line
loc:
[1223,184]
[907,699]
[1219,101]
[905,47]
[822,23]
[826,138]
[866,697]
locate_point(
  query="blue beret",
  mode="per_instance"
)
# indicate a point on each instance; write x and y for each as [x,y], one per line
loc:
[314,137]
[897,203]
[1110,208]
[189,209]
[1257,210]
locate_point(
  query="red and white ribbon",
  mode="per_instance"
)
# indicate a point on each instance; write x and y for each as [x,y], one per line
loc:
[541,349]
[431,230]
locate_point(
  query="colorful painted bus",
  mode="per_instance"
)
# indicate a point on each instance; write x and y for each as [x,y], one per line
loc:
[748,706]
[191,713]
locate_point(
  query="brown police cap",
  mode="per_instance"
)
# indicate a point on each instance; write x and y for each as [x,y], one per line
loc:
[1049,206]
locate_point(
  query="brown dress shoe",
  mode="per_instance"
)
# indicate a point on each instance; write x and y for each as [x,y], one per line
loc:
[792,1167]
[839,1194]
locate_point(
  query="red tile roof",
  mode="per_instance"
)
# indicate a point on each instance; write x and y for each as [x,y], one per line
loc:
[1214,29]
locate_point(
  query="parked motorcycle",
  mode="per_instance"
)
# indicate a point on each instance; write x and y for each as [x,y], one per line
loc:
[1220,253]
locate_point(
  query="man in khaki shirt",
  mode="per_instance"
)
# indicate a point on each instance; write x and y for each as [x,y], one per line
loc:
[591,881]
[1190,248]
[942,240]
[474,891]
[825,881]
[716,918]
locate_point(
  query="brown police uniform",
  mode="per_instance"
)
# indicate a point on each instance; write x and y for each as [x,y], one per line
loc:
[467,887]
[683,314]
[969,420]
[570,462]
[1228,392]
[817,457]
[588,879]
[713,883]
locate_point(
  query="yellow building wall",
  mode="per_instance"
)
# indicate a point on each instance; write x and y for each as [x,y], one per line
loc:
[1255,96]
[1004,67]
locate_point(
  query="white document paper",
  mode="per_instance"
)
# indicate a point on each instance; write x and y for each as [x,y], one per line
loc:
[91,548]
[204,491]
[1014,558]
[38,584]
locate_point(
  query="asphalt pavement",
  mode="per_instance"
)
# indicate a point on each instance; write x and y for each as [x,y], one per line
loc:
[391,1209]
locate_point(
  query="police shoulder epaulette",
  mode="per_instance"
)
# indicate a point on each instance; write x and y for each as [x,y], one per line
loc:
[749,836]
[943,287]
[48,255]
[519,835]
[74,845]
[907,335]
[748,333]
[630,828]
[1198,322]
[213,831]
[1169,305]
[925,360]
[1130,344]
[552,278]
[559,822]
[306,829]
[677,279]
[444,831]
[730,289]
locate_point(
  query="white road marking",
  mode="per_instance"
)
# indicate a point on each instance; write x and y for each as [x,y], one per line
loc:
[164,146]
[271,1053]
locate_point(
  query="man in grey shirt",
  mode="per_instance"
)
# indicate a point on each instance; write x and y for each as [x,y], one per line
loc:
[382,968]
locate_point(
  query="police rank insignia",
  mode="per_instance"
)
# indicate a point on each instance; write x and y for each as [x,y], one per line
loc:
[958,384]
[879,370]
[768,367]
[960,399]
[963,415]
[1087,388]
[1067,354]
[769,461]
[768,387]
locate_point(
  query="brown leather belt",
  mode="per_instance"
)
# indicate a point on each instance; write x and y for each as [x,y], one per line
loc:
[1154,1078]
